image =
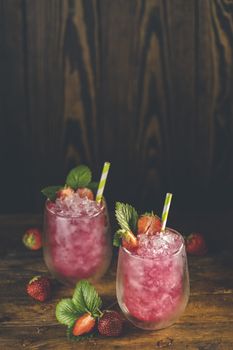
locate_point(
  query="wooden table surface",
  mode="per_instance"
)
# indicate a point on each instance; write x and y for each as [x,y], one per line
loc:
[207,323]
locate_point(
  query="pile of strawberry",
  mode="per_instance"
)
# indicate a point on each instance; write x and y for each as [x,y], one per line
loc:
[132,225]
[83,316]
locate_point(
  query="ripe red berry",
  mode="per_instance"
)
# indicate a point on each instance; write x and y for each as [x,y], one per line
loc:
[39,288]
[85,192]
[65,192]
[195,244]
[110,324]
[149,224]
[32,238]
[130,242]
[84,324]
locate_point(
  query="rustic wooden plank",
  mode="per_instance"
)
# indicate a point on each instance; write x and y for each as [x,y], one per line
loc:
[178,20]
[14,155]
[44,31]
[116,100]
[82,84]
[214,52]
[205,309]
[150,90]
[195,337]
[135,102]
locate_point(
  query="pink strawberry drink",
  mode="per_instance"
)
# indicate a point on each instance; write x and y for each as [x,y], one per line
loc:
[77,242]
[153,282]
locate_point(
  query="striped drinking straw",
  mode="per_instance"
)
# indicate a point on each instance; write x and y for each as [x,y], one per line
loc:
[102,182]
[166,207]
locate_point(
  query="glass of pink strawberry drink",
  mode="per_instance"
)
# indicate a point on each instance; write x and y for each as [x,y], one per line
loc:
[77,242]
[152,277]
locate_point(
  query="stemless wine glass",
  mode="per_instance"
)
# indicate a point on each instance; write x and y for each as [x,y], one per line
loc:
[77,247]
[153,292]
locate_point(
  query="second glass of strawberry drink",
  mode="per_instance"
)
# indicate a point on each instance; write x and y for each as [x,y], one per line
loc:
[152,275]
[76,240]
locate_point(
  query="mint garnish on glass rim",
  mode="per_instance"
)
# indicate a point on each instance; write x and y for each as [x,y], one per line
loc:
[79,177]
[51,191]
[127,218]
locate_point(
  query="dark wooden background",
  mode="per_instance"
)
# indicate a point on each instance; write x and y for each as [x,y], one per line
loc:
[145,84]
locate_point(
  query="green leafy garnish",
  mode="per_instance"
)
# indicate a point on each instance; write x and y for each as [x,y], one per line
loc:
[119,234]
[66,313]
[79,177]
[51,191]
[85,299]
[126,216]
[93,186]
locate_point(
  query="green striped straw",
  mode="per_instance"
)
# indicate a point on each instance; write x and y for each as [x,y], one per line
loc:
[166,207]
[102,182]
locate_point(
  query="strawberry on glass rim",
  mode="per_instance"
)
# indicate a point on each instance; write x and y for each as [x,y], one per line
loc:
[149,223]
[65,192]
[85,192]
[131,226]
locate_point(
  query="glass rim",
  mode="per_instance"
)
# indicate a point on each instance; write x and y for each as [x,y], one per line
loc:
[176,252]
[66,216]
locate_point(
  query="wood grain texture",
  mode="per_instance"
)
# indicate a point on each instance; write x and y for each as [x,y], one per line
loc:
[145,84]
[13,121]
[45,27]
[26,324]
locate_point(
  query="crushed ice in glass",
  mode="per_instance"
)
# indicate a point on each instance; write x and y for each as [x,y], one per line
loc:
[162,243]
[74,205]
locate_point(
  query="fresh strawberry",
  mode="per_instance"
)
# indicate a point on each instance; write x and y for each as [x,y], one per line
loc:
[39,288]
[129,241]
[65,192]
[195,244]
[32,238]
[84,324]
[110,324]
[149,224]
[85,192]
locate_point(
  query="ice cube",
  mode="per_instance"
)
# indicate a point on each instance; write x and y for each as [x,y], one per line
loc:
[73,205]
[160,244]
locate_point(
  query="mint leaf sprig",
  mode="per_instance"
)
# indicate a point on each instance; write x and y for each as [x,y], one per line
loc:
[127,218]
[78,177]
[85,300]
[51,191]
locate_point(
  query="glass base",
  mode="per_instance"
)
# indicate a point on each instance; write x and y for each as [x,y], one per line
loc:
[156,325]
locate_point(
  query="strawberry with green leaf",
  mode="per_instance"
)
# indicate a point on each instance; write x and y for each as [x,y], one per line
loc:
[80,312]
[127,218]
[77,180]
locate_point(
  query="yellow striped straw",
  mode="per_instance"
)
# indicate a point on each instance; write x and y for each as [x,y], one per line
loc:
[166,208]
[102,182]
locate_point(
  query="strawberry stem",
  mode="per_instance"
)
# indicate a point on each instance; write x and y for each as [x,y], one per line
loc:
[100,312]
